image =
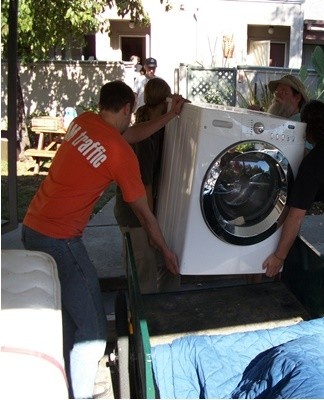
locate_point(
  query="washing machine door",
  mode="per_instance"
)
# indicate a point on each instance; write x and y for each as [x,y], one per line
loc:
[244,192]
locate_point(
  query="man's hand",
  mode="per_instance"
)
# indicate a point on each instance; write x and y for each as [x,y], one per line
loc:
[290,230]
[177,103]
[171,262]
[272,265]
[155,236]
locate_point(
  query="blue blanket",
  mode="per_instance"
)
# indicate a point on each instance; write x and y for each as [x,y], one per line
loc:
[285,362]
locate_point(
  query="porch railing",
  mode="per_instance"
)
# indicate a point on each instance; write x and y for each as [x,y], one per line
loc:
[197,83]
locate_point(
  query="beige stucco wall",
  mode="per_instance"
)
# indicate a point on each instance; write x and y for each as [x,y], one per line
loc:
[314,9]
[193,33]
[50,87]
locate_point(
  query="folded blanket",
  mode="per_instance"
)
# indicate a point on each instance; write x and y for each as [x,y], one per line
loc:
[213,366]
[293,370]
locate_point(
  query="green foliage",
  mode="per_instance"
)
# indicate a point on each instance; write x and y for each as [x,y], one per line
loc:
[265,97]
[168,5]
[255,101]
[318,60]
[251,98]
[92,105]
[213,96]
[44,25]
[318,64]
[262,99]
[221,94]
[243,148]
[303,73]
[135,10]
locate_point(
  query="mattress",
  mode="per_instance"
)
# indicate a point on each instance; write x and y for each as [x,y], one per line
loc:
[32,364]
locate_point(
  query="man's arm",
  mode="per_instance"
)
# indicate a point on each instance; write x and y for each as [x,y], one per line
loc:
[151,226]
[289,233]
[143,130]
[149,196]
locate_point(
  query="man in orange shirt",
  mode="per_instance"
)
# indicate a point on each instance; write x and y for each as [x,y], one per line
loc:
[93,155]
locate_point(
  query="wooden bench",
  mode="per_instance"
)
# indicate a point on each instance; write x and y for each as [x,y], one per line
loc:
[40,153]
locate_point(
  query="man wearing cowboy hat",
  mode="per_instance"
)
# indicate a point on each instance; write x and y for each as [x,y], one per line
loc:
[289,97]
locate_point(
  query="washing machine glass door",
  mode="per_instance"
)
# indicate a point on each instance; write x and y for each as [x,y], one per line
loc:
[244,192]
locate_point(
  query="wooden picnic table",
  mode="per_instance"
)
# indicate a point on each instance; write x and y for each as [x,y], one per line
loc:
[45,151]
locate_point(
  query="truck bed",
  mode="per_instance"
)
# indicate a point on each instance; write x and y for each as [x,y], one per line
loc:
[221,310]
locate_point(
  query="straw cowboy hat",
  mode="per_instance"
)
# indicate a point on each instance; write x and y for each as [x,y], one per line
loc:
[291,81]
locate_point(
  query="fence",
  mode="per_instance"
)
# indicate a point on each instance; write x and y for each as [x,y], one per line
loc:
[50,87]
[223,85]
[216,85]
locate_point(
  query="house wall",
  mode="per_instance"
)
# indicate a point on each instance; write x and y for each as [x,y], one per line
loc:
[192,32]
[50,87]
[313,9]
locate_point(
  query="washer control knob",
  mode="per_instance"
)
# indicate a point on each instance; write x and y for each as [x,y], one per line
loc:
[258,128]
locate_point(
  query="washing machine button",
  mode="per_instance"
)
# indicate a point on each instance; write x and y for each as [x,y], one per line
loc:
[258,128]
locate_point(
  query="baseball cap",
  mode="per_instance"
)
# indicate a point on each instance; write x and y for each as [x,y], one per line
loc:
[291,81]
[151,62]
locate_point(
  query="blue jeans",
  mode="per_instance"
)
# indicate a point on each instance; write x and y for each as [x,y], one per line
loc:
[84,319]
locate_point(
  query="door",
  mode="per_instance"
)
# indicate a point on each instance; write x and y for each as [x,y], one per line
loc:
[277,54]
[131,45]
[259,53]
[244,192]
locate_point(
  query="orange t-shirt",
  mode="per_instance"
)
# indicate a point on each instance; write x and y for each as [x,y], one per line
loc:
[92,156]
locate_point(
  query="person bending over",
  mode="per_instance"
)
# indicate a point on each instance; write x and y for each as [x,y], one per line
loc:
[151,271]
[94,154]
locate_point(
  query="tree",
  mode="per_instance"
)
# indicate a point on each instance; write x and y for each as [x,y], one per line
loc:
[50,24]
[44,25]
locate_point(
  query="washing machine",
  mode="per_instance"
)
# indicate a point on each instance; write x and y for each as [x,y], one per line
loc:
[226,174]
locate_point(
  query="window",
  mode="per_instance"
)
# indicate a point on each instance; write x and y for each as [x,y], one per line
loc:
[131,45]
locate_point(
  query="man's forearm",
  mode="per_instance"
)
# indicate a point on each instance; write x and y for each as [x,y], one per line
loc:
[153,231]
[290,231]
[152,228]
[143,130]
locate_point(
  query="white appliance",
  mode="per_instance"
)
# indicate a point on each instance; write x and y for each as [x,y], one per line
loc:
[225,176]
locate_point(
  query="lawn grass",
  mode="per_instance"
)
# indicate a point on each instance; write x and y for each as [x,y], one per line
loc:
[27,185]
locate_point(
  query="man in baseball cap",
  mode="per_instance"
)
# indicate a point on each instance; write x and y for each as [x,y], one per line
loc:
[289,97]
[151,62]
[140,82]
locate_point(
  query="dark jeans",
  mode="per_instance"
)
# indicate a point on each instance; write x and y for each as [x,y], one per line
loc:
[84,319]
